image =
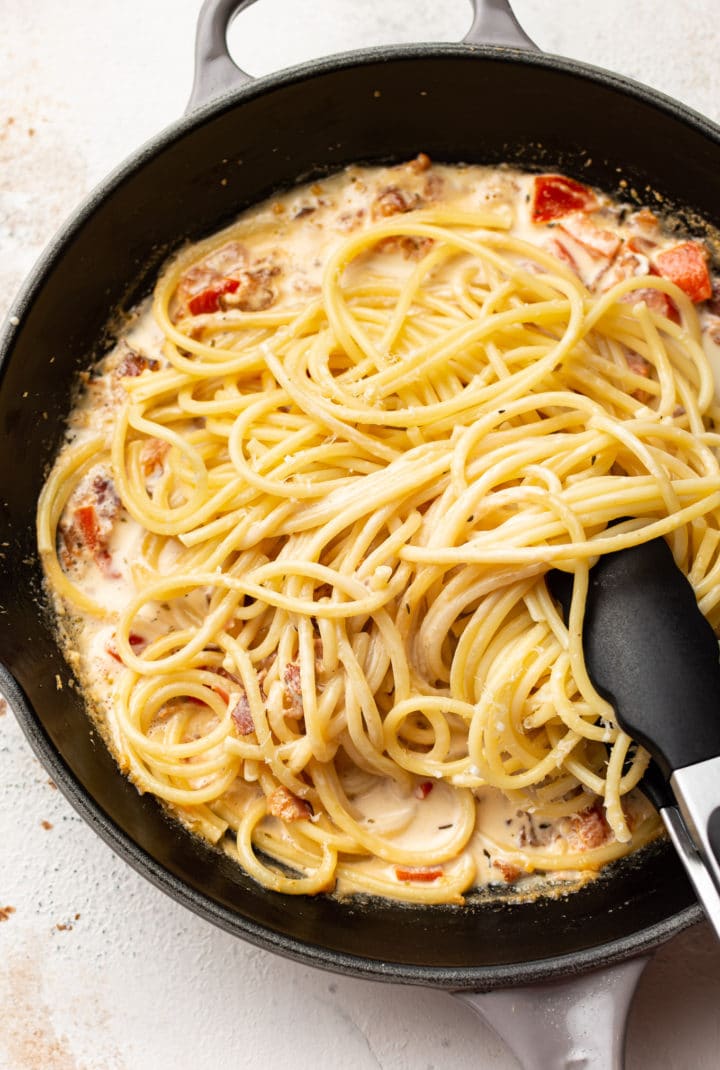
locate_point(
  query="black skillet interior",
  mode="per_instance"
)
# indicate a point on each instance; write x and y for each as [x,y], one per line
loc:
[455,103]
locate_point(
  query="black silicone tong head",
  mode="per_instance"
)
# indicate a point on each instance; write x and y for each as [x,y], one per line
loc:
[652,654]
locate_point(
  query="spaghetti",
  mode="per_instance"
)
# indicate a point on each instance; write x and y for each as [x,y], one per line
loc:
[299,534]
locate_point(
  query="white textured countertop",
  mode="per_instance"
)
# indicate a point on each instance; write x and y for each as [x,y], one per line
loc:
[99,970]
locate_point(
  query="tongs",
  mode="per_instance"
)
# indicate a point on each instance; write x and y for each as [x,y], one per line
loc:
[652,654]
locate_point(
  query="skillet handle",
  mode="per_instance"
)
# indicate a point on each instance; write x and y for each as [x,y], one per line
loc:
[573,1025]
[494,23]
[215,70]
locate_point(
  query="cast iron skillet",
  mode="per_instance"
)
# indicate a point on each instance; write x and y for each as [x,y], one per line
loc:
[471,101]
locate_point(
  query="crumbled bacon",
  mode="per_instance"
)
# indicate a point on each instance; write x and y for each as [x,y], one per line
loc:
[152,455]
[134,363]
[560,249]
[510,872]
[242,716]
[425,874]
[433,187]
[288,807]
[644,217]
[637,363]
[412,247]
[392,201]
[348,221]
[639,244]
[254,292]
[598,243]
[293,689]
[423,789]
[656,300]
[625,266]
[227,259]
[590,826]
[422,162]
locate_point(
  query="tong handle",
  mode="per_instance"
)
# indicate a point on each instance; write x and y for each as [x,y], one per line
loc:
[694,828]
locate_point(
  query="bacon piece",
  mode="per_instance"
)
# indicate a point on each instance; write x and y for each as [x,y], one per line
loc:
[392,201]
[253,292]
[639,366]
[293,689]
[413,247]
[288,807]
[134,363]
[655,300]
[425,874]
[559,249]
[556,196]
[637,363]
[598,243]
[510,872]
[639,244]
[686,265]
[590,827]
[422,162]
[152,455]
[242,717]
[423,789]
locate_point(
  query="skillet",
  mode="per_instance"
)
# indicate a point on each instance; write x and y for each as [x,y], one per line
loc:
[465,101]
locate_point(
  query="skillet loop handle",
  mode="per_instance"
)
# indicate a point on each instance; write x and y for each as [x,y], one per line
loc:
[495,24]
[216,72]
[569,1025]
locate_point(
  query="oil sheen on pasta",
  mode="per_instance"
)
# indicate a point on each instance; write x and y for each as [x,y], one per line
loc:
[297,537]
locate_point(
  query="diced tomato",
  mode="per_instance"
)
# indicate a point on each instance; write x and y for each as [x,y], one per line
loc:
[423,789]
[136,642]
[686,265]
[209,300]
[86,523]
[555,196]
[425,875]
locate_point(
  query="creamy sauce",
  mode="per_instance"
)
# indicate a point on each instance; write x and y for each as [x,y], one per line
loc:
[284,261]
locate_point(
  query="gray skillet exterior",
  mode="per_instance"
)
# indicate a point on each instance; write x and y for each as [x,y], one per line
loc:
[457,102]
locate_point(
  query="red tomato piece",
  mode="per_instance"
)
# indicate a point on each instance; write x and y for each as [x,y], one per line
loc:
[86,523]
[555,196]
[686,265]
[209,300]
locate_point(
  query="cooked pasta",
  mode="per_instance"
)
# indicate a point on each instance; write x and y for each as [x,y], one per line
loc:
[299,534]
